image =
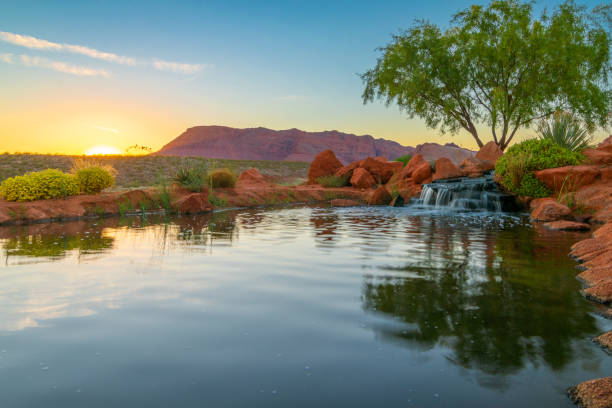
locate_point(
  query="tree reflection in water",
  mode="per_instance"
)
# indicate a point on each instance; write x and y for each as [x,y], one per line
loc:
[498,299]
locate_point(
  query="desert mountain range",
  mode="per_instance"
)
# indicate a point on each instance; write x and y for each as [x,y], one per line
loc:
[296,145]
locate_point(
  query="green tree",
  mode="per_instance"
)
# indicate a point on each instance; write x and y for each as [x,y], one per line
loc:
[500,66]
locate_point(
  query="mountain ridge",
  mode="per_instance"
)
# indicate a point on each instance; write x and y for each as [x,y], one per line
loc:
[261,143]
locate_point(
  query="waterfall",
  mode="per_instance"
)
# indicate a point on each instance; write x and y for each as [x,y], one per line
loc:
[466,194]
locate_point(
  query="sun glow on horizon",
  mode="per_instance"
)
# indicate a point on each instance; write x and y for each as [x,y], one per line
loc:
[102,150]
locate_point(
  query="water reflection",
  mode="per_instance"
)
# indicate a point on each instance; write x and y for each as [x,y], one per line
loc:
[497,298]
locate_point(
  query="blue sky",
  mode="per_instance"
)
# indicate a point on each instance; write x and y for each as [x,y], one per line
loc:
[278,64]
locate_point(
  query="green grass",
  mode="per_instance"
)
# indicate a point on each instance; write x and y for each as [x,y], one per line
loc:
[146,171]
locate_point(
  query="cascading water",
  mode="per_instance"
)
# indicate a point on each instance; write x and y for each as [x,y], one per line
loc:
[466,194]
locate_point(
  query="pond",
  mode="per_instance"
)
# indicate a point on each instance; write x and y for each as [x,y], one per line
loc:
[300,306]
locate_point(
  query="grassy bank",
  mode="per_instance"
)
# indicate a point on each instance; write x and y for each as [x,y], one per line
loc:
[144,171]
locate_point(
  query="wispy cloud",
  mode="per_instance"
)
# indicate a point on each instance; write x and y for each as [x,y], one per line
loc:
[59,66]
[177,67]
[8,58]
[106,129]
[41,44]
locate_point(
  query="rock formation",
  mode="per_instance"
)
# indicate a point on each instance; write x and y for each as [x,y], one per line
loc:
[296,145]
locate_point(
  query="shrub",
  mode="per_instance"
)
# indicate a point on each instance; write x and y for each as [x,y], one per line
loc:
[566,131]
[332,181]
[404,159]
[92,176]
[41,185]
[221,178]
[192,177]
[514,170]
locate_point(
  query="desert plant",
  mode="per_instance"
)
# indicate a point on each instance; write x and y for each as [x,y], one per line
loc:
[221,178]
[565,130]
[191,176]
[93,176]
[41,185]
[332,181]
[515,169]
[404,159]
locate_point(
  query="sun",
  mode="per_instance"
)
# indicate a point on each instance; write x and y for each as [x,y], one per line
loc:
[102,150]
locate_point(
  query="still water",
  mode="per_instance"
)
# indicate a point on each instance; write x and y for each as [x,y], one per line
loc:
[298,307]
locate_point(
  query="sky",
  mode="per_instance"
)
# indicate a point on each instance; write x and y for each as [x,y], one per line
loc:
[76,74]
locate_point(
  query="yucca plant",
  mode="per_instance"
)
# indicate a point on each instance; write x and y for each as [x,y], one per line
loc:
[564,130]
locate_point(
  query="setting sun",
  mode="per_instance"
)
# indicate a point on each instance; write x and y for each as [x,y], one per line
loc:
[102,150]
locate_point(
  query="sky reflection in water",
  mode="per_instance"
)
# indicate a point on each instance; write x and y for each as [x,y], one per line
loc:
[298,306]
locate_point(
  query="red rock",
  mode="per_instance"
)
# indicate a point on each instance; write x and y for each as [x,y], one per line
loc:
[445,169]
[433,151]
[593,394]
[604,340]
[606,174]
[604,232]
[595,275]
[381,171]
[415,162]
[489,154]
[380,196]
[192,204]
[381,159]
[568,178]
[606,142]
[421,173]
[251,177]
[567,226]
[474,167]
[536,202]
[347,171]
[600,292]
[324,164]
[598,156]
[362,179]
[550,210]
[341,202]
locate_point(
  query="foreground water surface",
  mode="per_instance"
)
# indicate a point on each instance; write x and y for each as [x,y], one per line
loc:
[294,307]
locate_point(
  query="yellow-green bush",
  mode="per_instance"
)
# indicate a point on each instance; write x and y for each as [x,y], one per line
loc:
[92,180]
[93,176]
[40,185]
[221,178]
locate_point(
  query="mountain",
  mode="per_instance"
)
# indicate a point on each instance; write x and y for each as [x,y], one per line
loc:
[223,142]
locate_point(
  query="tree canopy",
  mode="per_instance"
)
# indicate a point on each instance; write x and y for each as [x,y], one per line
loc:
[500,66]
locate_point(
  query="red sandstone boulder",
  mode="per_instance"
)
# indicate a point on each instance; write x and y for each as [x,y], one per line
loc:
[445,169]
[362,179]
[324,164]
[192,204]
[416,161]
[489,154]
[600,292]
[251,177]
[606,142]
[606,174]
[380,196]
[421,173]
[473,167]
[341,202]
[567,226]
[381,171]
[568,178]
[550,210]
[605,340]
[601,155]
[593,394]
[347,171]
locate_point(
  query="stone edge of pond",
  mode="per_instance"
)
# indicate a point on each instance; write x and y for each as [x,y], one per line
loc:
[151,201]
[595,260]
